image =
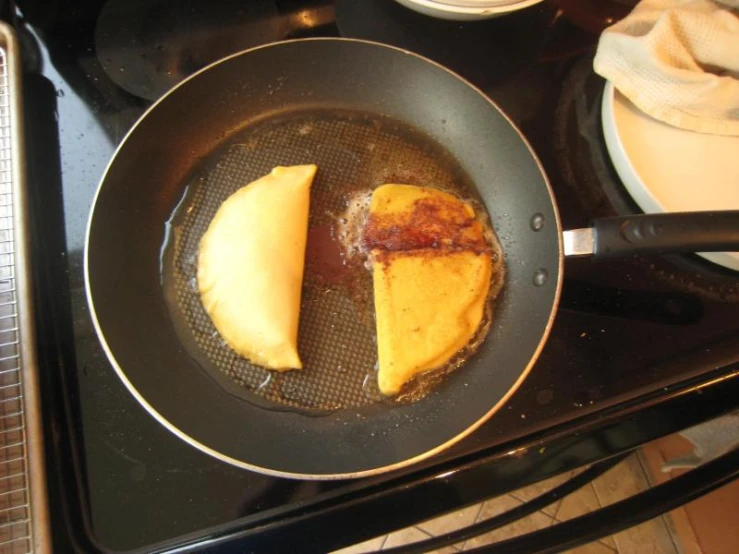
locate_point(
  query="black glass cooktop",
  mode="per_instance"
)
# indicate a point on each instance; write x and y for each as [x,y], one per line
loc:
[624,329]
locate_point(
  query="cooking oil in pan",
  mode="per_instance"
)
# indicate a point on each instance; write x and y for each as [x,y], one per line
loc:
[355,153]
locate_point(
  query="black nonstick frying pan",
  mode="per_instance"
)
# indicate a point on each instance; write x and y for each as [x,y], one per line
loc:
[366,114]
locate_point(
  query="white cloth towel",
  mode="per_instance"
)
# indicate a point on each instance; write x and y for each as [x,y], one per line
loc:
[678,61]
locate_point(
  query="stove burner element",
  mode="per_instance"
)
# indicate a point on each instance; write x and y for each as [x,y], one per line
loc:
[593,184]
[485,52]
[148,47]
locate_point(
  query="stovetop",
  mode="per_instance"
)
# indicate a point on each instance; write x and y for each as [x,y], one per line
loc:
[624,329]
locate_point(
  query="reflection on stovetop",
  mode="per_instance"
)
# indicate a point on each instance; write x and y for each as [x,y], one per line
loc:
[624,328]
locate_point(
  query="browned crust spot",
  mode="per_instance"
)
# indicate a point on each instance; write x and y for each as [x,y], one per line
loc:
[434,225]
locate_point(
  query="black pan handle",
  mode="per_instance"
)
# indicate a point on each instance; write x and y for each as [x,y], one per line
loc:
[613,237]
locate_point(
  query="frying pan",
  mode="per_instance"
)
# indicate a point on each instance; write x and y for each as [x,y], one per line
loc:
[376,114]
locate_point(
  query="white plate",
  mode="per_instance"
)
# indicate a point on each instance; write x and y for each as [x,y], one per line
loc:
[666,169]
[475,3]
[470,11]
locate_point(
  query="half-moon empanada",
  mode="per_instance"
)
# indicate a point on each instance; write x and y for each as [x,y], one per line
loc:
[250,266]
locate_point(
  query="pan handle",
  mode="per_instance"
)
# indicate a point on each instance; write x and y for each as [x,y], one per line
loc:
[613,237]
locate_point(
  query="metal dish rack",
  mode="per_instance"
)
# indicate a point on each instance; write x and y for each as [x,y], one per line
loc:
[23,504]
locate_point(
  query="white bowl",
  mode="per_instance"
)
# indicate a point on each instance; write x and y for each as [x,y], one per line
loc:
[667,169]
[466,10]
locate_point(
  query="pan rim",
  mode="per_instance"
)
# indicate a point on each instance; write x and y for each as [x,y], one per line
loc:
[325,476]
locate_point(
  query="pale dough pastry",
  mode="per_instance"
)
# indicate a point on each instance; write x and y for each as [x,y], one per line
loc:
[250,266]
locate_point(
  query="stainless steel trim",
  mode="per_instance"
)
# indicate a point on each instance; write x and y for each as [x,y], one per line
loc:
[579,242]
[23,496]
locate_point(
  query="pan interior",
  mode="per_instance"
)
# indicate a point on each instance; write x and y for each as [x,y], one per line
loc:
[355,152]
